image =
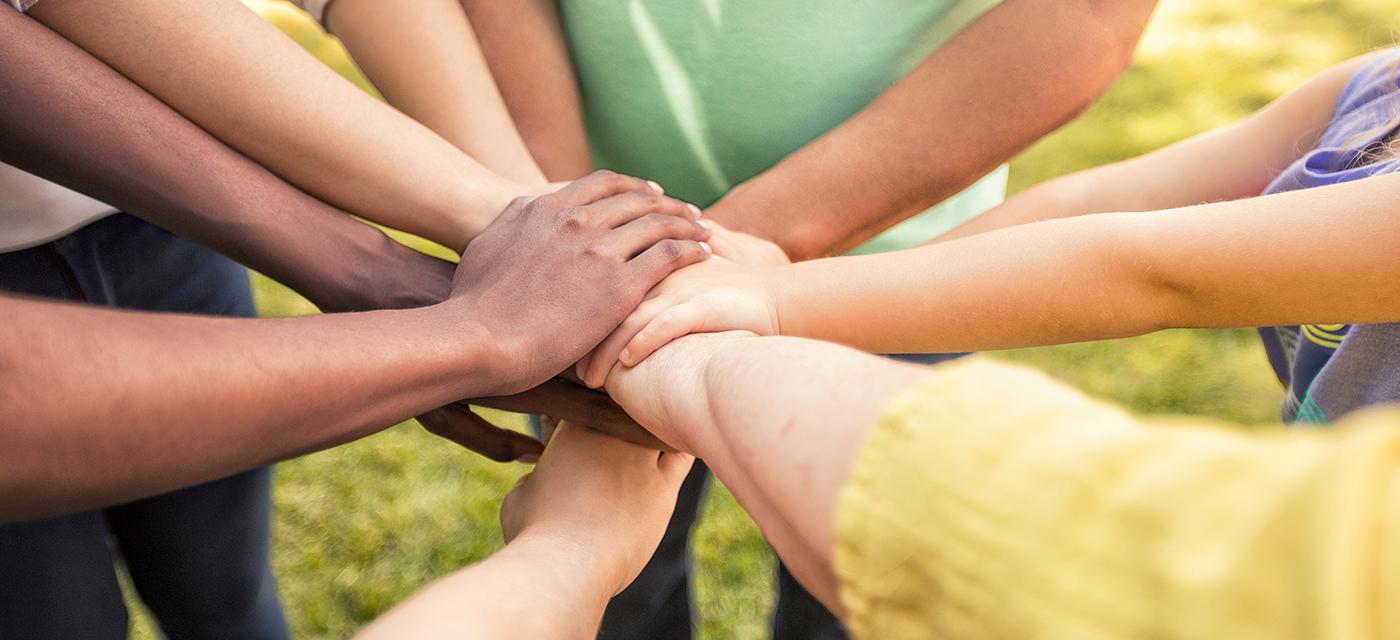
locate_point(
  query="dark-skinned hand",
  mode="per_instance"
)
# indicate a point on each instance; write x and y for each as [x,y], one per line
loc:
[552,276]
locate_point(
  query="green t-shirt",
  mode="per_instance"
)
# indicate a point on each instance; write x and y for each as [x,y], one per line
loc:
[701,95]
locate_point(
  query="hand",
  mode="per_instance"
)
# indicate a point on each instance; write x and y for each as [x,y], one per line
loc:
[458,423]
[715,295]
[743,248]
[560,399]
[551,277]
[610,498]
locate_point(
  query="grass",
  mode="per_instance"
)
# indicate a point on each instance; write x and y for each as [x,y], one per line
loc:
[362,526]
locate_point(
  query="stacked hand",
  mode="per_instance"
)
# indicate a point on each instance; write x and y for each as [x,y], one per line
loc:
[610,499]
[715,295]
[579,260]
[585,254]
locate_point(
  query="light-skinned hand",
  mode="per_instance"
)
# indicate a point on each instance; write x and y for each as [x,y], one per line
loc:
[610,498]
[715,295]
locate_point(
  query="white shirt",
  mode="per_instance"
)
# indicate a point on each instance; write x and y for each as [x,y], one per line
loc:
[34,211]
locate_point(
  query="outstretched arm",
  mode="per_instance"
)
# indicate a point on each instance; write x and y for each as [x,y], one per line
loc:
[426,61]
[1229,163]
[578,530]
[1011,77]
[94,402]
[524,45]
[69,118]
[1028,508]
[1229,263]
[73,120]
[239,78]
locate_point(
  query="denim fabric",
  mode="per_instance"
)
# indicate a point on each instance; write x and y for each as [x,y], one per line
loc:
[198,557]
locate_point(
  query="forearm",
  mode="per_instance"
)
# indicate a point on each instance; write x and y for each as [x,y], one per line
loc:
[237,77]
[779,421]
[538,586]
[71,119]
[525,46]
[426,61]
[1228,264]
[95,401]
[973,104]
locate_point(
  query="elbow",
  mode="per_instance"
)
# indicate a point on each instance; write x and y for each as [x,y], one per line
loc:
[1110,31]
[1151,293]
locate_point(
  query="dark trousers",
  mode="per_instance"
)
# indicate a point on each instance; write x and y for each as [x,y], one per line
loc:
[198,557]
[658,604]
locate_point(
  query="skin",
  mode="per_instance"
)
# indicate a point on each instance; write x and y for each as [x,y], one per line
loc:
[240,79]
[578,530]
[427,64]
[73,120]
[734,400]
[927,138]
[1229,263]
[233,394]
[781,421]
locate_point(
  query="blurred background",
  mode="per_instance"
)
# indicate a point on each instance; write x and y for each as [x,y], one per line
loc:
[363,526]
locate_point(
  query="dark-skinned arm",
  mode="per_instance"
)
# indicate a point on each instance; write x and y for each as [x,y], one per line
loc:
[101,406]
[71,119]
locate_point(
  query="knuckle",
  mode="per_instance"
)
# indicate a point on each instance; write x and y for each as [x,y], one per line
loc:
[573,218]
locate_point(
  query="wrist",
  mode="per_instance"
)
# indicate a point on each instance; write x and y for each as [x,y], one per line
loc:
[479,362]
[596,559]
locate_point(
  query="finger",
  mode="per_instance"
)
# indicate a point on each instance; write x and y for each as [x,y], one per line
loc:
[581,367]
[596,186]
[664,258]
[618,210]
[605,355]
[637,236]
[676,322]
[720,240]
[561,400]
[675,465]
[475,433]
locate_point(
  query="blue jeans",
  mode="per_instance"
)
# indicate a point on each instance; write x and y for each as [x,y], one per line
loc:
[658,604]
[198,557]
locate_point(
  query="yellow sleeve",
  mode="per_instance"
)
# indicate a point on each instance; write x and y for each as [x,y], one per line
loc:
[992,502]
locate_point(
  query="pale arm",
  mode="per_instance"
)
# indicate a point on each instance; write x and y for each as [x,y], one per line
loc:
[535,587]
[1237,161]
[525,47]
[1226,264]
[239,78]
[1110,275]
[1028,508]
[425,59]
[578,530]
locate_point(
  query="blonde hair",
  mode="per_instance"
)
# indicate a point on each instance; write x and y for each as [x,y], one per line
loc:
[1386,145]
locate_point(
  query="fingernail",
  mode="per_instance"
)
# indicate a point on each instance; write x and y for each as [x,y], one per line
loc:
[695,211]
[707,224]
[655,187]
[626,356]
[706,247]
[529,458]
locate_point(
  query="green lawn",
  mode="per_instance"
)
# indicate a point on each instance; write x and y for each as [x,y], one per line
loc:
[361,527]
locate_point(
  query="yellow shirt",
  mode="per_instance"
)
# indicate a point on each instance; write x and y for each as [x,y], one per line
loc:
[992,502]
